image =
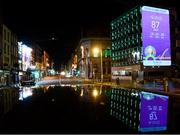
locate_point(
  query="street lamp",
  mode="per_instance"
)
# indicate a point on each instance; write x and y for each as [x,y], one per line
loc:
[95,53]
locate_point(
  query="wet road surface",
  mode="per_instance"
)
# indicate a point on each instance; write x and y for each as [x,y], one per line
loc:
[77,109]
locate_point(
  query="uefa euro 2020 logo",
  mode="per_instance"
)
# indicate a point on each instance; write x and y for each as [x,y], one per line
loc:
[150,53]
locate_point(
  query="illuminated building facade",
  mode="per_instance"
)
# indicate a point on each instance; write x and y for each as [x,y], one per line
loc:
[14,51]
[90,62]
[6,47]
[14,59]
[1,45]
[46,63]
[73,66]
[2,82]
[141,43]
[6,54]
[26,57]
[25,61]
[37,61]
[34,63]
[8,57]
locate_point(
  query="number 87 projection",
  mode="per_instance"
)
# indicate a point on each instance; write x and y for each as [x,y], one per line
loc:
[155,36]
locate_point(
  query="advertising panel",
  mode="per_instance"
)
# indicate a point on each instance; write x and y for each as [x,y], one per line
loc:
[153,112]
[155,36]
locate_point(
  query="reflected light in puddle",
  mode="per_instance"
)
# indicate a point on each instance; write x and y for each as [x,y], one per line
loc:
[73,86]
[82,91]
[95,93]
[26,92]
[47,87]
[65,85]
[100,91]
[102,103]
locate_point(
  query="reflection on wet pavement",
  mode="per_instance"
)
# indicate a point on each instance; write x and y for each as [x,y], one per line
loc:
[8,100]
[55,109]
[77,109]
[25,92]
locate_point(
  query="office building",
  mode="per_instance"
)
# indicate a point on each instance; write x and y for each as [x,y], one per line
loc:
[141,47]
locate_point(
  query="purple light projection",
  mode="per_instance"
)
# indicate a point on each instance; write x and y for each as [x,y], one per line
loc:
[153,112]
[156,36]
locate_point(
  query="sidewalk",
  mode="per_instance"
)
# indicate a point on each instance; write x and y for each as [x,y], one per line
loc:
[173,85]
[154,86]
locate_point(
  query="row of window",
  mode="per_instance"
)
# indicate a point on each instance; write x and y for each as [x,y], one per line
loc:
[13,40]
[7,50]
[124,33]
[127,57]
[126,52]
[8,37]
[14,51]
[125,107]
[127,38]
[131,26]
[126,63]
[125,46]
[124,22]
[14,61]
[127,60]
[128,18]
[6,59]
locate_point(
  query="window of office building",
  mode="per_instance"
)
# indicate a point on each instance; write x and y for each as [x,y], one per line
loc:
[5,48]
[8,49]
[8,36]
[4,34]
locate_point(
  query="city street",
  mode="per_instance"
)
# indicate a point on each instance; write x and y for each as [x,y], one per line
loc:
[71,108]
[173,86]
[100,67]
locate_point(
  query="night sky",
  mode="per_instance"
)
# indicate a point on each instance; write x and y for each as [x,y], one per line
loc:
[66,21]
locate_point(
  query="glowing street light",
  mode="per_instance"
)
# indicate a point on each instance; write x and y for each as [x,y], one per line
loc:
[95,93]
[95,52]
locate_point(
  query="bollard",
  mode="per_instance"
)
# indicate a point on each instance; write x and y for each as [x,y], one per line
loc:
[165,85]
[117,81]
[154,83]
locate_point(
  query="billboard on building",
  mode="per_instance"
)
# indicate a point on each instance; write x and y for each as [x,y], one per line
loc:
[155,36]
[26,57]
[153,112]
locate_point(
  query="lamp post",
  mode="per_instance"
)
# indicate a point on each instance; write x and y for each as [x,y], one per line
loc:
[101,67]
[96,52]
